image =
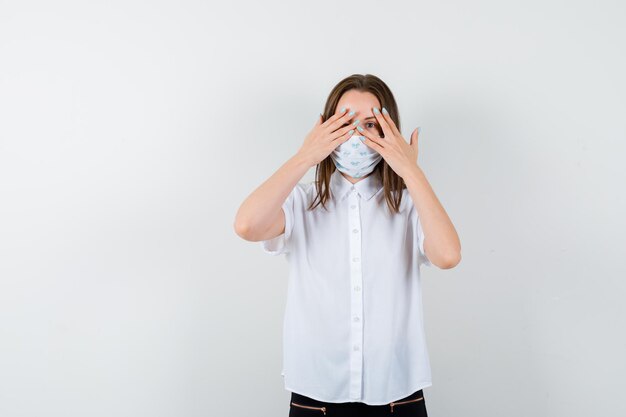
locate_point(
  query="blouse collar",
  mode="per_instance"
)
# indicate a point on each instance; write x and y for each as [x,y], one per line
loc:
[366,188]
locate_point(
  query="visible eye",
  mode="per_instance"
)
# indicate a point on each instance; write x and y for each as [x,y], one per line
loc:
[371,123]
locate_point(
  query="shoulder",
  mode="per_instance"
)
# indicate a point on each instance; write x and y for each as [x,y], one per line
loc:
[406,204]
[302,191]
[304,187]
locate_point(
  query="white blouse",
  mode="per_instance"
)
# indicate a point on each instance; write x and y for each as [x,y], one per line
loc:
[353,329]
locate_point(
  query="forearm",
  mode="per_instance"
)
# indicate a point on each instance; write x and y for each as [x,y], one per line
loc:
[260,209]
[444,246]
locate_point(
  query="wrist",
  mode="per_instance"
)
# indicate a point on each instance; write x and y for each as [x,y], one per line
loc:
[301,161]
[413,172]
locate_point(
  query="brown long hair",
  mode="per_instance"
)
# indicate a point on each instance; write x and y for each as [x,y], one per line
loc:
[392,182]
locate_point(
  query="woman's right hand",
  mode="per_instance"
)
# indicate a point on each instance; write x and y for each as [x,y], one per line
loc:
[326,137]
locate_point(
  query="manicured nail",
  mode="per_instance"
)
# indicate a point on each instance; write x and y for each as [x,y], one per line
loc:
[362,138]
[360,128]
[385,111]
[351,113]
[376,110]
[419,130]
[343,109]
[356,122]
[351,132]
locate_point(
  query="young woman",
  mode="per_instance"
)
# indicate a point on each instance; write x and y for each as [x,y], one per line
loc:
[355,238]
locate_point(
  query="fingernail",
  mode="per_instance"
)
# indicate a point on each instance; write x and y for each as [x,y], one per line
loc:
[362,138]
[351,113]
[419,130]
[385,111]
[360,128]
[343,109]
[376,110]
[351,132]
[356,122]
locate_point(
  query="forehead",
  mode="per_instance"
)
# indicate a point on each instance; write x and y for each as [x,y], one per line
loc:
[358,100]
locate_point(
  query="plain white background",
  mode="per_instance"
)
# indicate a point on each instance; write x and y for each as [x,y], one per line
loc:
[131,131]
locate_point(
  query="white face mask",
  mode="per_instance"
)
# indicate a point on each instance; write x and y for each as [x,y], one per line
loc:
[355,158]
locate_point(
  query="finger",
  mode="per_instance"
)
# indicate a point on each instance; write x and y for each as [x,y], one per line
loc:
[341,139]
[413,141]
[335,116]
[383,124]
[372,139]
[374,145]
[339,123]
[346,130]
[390,122]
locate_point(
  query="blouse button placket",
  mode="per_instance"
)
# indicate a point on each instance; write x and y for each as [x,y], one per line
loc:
[356,298]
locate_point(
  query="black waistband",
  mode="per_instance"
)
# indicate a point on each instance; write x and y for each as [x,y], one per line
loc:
[304,400]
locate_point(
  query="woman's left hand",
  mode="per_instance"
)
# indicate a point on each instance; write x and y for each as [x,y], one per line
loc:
[400,156]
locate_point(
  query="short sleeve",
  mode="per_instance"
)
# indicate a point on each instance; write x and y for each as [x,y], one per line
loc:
[281,243]
[418,235]
[420,238]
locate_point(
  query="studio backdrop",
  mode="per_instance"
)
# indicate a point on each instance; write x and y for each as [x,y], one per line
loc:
[131,132]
